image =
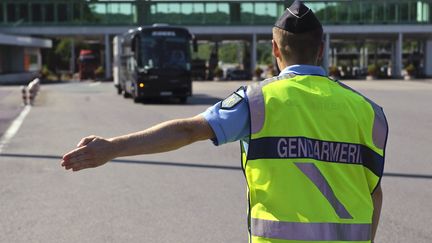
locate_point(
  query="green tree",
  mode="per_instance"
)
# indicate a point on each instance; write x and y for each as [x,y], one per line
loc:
[228,53]
[203,51]
[63,50]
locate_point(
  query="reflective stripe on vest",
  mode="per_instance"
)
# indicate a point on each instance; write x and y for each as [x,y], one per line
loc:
[310,231]
[315,154]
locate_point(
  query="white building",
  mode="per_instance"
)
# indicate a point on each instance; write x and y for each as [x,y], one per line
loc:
[20,58]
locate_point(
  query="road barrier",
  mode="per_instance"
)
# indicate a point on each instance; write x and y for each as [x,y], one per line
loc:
[24,94]
[32,90]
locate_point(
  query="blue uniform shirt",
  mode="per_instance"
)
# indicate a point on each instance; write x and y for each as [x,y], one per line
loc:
[232,124]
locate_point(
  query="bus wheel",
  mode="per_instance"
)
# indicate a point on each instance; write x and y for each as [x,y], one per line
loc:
[119,90]
[183,100]
[136,100]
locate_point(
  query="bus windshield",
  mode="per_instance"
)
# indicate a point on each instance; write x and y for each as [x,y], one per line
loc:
[165,52]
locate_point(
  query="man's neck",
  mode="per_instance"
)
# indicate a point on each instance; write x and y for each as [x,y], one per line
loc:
[303,69]
[282,67]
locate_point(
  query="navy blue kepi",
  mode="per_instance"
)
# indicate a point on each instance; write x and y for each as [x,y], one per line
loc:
[298,19]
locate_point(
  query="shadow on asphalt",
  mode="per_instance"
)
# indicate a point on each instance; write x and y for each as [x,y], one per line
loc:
[201,99]
[175,164]
[125,161]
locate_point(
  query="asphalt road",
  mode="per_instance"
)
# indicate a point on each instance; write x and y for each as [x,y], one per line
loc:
[195,194]
[10,106]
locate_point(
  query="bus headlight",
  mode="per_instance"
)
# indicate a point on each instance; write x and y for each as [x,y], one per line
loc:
[141,85]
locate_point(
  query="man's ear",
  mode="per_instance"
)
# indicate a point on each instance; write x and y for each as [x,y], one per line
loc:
[275,50]
[278,56]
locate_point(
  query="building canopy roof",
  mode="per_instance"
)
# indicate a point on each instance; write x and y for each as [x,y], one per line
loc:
[26,41]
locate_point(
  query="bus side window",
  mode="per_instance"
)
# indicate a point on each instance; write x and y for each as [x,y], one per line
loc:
[136,51]
[132,63]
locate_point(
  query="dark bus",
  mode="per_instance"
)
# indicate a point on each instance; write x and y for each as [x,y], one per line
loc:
[154,62]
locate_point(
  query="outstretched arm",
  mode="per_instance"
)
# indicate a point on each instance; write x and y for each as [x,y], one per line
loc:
[95,151]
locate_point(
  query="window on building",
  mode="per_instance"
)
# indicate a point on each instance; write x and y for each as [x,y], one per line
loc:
[174,11]
[36,10]
[345,14]
[404,12]
[234,11]
[169,13]
[369,13]
[412,16]
[186,8]
[173,8]
[160,13]
[76,13]
[49,12]
[265,13]
[11,13]
[23,12]
[1,12]
[330,13]
[62,12]
[319,9]
[94,12]
[192,13]
[120,13]
[247,13]
[217,13]
[423,12]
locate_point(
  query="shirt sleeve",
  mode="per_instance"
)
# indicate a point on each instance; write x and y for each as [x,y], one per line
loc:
[229,124]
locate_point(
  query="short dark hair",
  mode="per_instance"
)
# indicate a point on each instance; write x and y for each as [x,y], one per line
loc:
[299,48]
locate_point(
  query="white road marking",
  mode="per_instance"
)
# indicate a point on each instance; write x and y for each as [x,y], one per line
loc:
[13,128]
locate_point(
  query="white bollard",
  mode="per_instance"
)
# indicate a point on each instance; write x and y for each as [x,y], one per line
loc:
[33,89]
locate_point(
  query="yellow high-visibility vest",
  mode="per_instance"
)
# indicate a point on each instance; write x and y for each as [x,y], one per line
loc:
[315,155]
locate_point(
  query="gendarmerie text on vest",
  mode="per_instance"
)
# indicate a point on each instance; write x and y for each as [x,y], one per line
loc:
[300,147]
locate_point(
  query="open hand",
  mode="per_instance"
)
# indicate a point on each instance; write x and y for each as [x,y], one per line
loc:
[91,152]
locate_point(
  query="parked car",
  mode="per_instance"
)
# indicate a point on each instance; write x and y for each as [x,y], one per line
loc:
[237,74]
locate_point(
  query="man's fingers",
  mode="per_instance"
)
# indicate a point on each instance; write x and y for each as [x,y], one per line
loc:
[79,158]
[76,156]
[82,164]
[86,140]
[91,152]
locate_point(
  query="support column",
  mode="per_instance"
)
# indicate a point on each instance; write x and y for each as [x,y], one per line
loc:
[397,57]
[361,61]
[239,52]
[253,53]
[366,57]
[428,58]
[108,66]
[73,57]
[213,61]
[335,57]
[331,58]
[325,60]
